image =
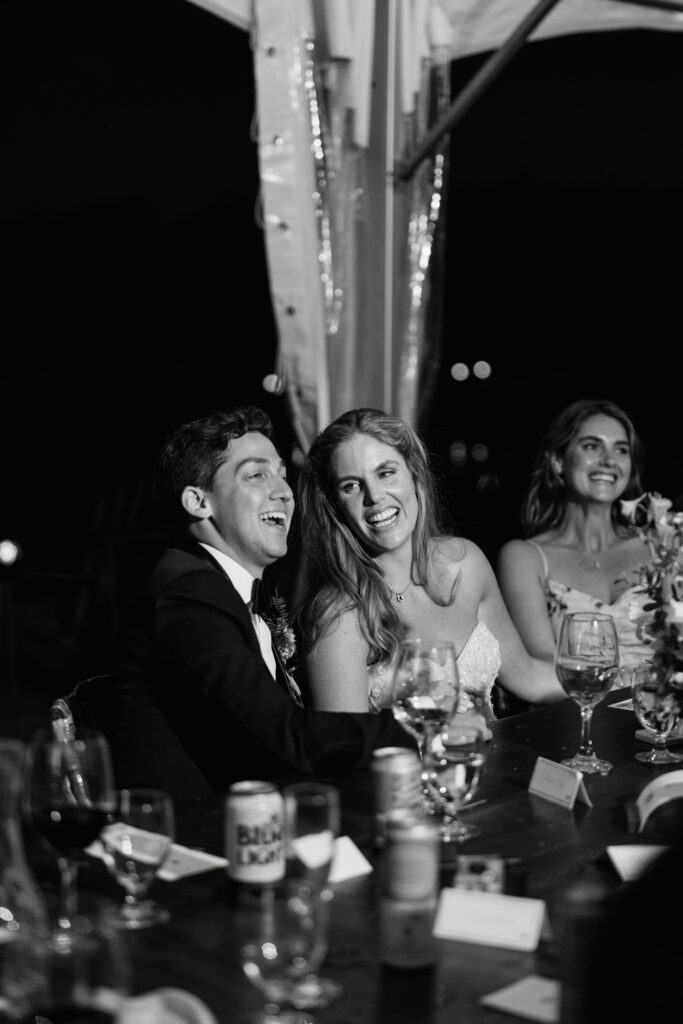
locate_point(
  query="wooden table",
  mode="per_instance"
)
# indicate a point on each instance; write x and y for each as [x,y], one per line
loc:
[197,949]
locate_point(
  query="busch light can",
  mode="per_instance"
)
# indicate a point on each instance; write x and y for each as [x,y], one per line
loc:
[255,833]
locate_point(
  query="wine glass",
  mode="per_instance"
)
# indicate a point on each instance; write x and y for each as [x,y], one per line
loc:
[312,817]
[587,662]
[283,943]
[458,754]
[135,846]
[657,710]
[68,794]
[425,691]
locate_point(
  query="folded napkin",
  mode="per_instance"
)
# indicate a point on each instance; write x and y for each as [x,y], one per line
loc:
[181,861]
[166,1006]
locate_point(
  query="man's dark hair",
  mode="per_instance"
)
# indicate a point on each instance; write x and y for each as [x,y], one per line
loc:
[194,452]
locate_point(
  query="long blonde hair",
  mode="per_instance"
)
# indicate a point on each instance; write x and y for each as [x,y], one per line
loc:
[341,573]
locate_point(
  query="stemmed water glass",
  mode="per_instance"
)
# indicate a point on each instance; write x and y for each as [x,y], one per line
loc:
[424,692]
[457,754]
[312,820]
[135,846]
[68,794]
[657,710]
[587,662]
[283,943]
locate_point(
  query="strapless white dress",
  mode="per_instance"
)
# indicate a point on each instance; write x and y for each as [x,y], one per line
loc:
[478,667]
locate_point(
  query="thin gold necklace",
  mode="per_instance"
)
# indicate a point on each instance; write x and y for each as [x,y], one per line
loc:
[398,594]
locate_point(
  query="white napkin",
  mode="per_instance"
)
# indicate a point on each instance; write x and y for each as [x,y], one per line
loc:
[166,1006]
[630,861]
[534,997]
[182,861]
[348,861]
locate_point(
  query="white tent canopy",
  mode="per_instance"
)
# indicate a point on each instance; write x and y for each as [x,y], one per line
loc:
[347,91]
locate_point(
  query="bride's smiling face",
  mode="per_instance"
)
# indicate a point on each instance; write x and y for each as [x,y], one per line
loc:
[375,492]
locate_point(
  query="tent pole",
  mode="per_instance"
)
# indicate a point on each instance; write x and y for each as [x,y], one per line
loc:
[389,209]
[476,86]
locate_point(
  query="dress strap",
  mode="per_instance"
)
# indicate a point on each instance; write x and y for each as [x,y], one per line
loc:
[542,554]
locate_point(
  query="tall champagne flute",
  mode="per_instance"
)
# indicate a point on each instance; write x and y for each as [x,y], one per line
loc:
[68,794]
[587,662]
[424,691]
[657,710]
[312,821]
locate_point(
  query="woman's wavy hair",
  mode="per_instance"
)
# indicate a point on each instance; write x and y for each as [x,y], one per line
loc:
[545,501]
[342,574]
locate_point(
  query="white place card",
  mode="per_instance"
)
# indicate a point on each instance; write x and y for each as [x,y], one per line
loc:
[490,919]
[558,783]
[630,861]
[533,997]
[659,791]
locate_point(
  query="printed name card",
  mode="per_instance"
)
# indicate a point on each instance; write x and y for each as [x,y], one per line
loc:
[490,919]
[558,783]
[659,791]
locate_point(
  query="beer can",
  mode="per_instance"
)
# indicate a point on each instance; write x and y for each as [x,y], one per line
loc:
[412,856]
[255,833]
[409,891]
[397,783]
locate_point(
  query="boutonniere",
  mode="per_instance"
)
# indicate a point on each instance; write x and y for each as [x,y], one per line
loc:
[277,619]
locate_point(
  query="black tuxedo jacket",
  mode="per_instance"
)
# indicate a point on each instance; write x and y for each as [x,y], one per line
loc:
[196,707]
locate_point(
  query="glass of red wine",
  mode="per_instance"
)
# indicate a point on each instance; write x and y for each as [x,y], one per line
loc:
[68,796]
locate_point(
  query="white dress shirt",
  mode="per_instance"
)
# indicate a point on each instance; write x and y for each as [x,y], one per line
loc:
[242,582]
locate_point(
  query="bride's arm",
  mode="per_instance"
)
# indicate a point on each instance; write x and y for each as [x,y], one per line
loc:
[337,669]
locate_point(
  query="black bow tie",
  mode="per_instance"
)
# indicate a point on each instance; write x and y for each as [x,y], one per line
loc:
[260,599]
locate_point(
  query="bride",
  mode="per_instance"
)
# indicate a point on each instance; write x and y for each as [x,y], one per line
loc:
[381,569]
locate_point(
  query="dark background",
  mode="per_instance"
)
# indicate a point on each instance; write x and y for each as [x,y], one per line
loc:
[135,290]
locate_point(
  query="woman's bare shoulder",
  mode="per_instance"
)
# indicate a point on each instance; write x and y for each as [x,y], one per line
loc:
[518,550]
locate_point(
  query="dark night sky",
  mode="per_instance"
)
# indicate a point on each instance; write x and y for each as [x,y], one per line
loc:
[135,290]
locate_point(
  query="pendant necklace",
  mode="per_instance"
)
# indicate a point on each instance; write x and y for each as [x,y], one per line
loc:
[398,594]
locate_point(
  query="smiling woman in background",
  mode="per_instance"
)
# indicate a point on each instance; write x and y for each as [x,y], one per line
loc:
[579,553]
[381,569]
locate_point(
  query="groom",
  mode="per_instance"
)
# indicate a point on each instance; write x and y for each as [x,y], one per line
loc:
[203,695]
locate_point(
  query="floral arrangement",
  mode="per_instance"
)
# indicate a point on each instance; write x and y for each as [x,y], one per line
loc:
[653,520]
[278,623]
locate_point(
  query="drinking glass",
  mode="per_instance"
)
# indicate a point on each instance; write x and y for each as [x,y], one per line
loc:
[135,846]
[312,817]
[425,690]
[283,942]
[587,662]
[458,754]
[68,794]
[84,981]
[657,710]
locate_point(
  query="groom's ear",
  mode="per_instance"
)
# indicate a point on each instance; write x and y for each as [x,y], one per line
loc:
[196,502]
